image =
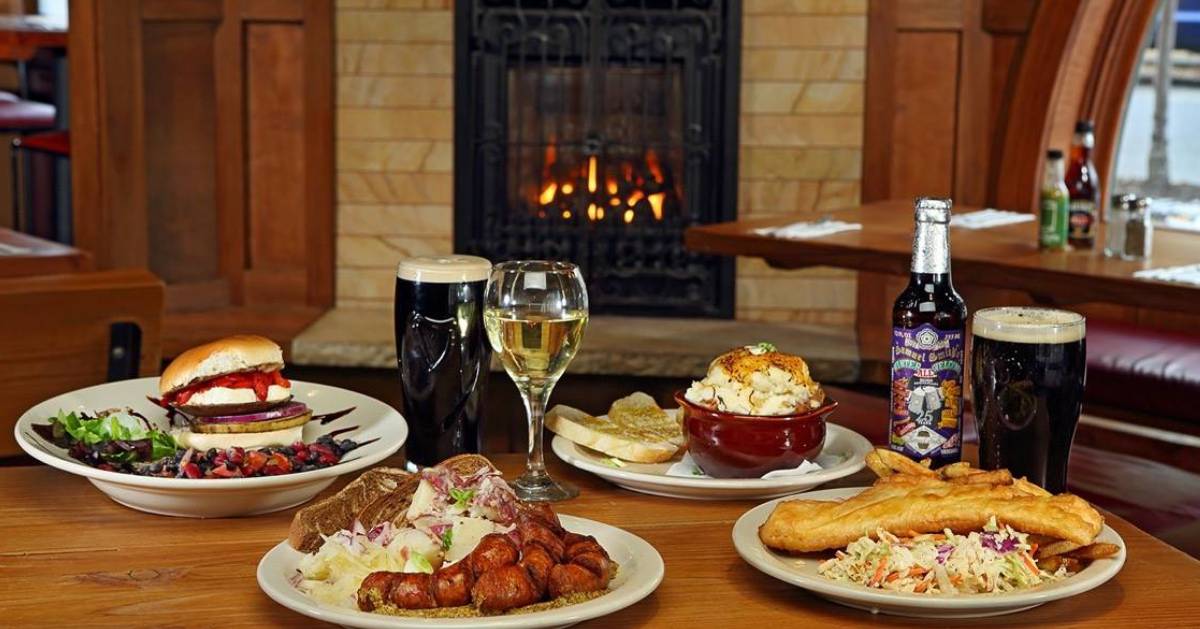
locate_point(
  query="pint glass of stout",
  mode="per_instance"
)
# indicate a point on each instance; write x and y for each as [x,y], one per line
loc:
[1027,375]
[443,354]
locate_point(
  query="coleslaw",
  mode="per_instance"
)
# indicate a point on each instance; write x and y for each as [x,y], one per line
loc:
[996,559]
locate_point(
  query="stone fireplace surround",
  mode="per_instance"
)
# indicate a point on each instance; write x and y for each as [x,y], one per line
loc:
[800,151]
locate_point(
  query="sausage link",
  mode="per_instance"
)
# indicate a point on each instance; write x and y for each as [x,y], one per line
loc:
[569,578]
[374,589]
[596,563]
[452,585]
[495,550]
[586,545]
[536,560]
[503,589]
[535,532]
[413,590]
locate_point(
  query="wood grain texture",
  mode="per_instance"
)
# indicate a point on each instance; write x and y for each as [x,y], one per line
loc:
[1002,257]
[138,569]
[57,334]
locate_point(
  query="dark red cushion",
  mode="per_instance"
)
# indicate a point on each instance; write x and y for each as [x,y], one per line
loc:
[1143,370]
[53,142]
[25,115]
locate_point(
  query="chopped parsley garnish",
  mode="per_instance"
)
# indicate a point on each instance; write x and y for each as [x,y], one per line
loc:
[461,497]
[447,538]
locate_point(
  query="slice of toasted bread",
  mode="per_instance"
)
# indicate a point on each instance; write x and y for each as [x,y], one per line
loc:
[636,429]
[381,494]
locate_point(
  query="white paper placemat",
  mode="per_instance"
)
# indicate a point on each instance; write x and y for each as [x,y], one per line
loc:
[808,229]
[990,217]
[1185,274]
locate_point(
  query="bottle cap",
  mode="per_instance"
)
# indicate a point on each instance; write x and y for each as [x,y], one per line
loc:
[1084,126]
[444,269]
[1125,200]
[933,210]
[1054,154]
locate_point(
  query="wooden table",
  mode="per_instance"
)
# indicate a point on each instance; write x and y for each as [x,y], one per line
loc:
[1004,257]
[22,255]
[70,557]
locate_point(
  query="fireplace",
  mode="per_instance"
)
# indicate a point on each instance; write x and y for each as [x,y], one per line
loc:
[596,131]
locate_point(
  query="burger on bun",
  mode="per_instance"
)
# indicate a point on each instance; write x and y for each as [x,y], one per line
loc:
[233,394]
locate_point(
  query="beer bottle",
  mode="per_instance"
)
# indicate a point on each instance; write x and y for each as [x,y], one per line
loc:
[1083,186]
[1054,205]
[928,330]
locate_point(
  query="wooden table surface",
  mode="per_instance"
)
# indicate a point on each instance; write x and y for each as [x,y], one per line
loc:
[22,35]
[1004,257]
[22,255]
[71,557]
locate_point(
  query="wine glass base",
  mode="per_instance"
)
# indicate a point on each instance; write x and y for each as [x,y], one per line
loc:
[542,488]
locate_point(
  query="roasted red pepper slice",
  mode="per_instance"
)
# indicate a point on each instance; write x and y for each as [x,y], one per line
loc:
[260,381]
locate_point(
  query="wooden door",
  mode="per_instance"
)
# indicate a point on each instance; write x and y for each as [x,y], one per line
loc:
[202,150]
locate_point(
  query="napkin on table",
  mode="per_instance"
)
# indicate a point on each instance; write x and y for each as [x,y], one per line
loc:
[808,229]
[990,217]
[687,467]
[1185,274]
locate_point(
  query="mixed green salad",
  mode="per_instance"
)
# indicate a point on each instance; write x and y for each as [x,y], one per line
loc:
[111,439]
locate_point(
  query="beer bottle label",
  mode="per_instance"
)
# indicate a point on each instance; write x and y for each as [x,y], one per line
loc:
[926,401]
[1083,216]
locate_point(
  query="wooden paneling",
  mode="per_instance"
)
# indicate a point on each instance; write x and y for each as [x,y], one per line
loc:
[204,150]
[182,221]
[275,151]
[923,165]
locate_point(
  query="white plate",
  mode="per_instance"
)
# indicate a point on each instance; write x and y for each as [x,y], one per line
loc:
[640,572]
[219,497]
[803,573]
[651,478]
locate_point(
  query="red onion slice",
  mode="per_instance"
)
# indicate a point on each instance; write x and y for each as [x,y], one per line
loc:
[291,409]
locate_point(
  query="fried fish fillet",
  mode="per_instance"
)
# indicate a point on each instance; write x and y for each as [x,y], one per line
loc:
[925,504]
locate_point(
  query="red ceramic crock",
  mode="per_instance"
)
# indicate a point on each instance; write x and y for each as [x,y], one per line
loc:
[728,445]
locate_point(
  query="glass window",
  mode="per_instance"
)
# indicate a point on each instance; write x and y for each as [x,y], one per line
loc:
[1159,154]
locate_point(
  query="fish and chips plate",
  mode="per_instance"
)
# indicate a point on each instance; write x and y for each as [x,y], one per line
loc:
[957,542]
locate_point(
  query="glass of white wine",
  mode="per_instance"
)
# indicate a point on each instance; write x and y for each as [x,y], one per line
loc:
[535,313]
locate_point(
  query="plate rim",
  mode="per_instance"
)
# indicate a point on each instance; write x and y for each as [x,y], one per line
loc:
[72,466]
[747,525]
[649,559]
[564,448]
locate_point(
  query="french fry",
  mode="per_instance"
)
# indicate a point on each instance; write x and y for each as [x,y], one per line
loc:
[1060,547]
[955,470]
[1052,564]
[1095,551]
[885,462]
[995,477]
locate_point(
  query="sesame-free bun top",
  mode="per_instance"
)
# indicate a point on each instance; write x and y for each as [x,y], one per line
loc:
[232,354]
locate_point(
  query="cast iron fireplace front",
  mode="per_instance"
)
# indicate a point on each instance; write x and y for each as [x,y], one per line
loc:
[596,131]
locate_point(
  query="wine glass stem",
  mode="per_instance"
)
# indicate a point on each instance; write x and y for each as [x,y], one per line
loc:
[536,396]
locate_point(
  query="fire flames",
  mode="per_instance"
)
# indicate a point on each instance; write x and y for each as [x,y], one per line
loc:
[624,190]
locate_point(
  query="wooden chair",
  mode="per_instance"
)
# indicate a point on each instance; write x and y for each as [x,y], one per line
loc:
[63,332]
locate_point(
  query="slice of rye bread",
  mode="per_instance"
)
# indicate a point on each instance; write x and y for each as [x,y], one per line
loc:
[381,494]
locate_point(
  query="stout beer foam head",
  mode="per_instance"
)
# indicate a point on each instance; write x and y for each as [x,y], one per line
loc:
[1023,324]
[444,269]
